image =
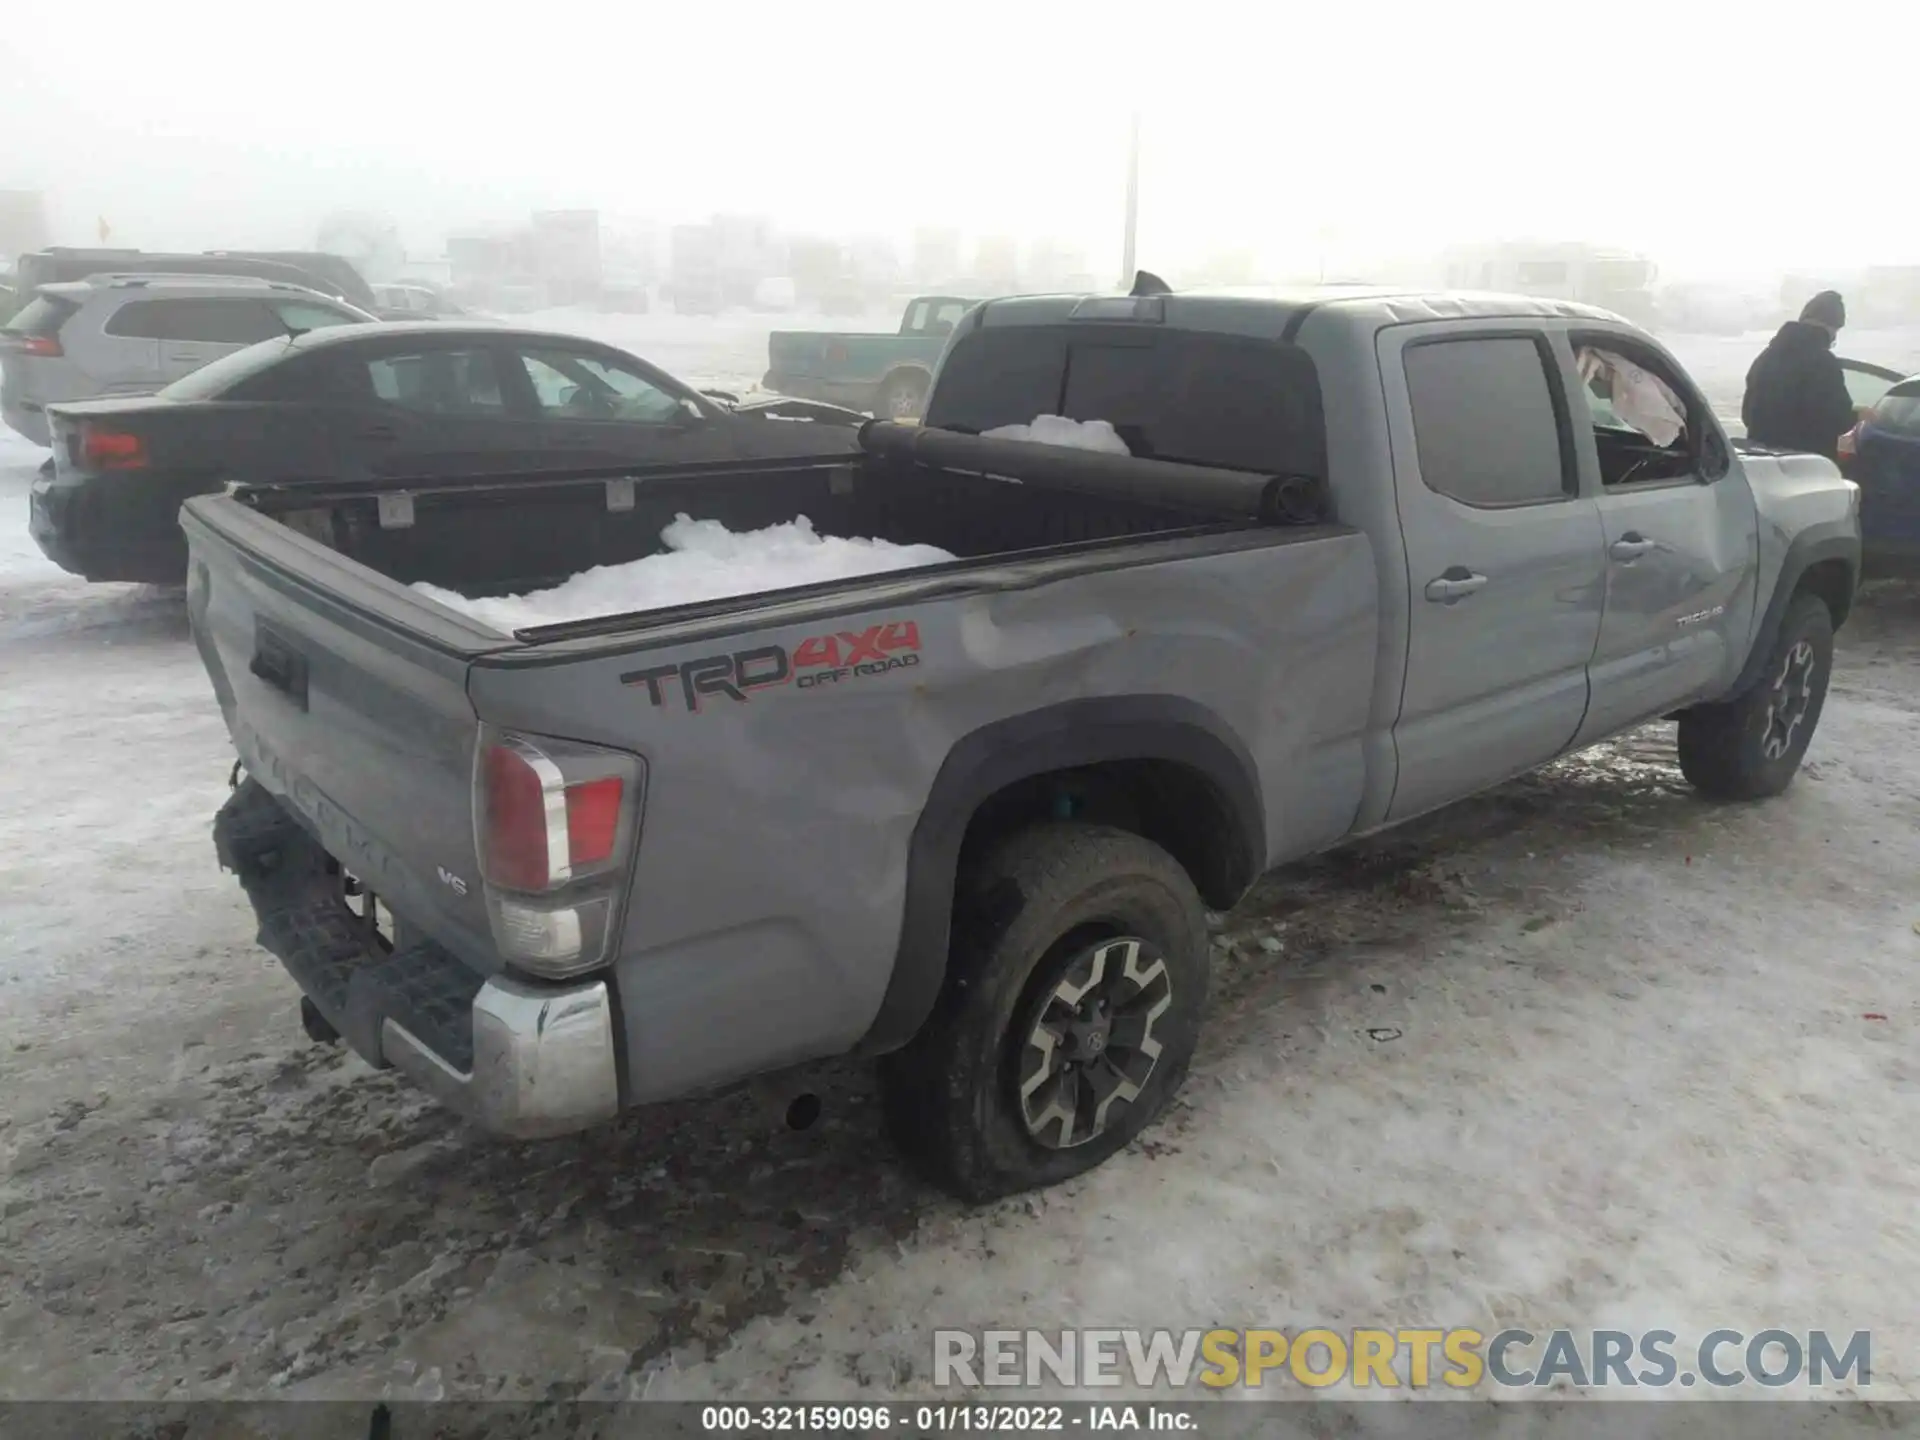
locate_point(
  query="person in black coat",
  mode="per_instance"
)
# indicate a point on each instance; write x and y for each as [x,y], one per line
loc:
[1796,391]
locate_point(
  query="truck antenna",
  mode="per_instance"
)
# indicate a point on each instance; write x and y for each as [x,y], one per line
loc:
[1145,282]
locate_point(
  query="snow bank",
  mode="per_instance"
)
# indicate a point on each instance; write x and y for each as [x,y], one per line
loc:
[703,561]
[1058,430]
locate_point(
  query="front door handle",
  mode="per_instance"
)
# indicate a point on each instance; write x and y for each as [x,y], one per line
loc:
[1631,546]
[1456,584]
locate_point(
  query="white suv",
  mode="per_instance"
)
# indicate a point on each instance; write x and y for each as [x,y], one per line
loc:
[132,334]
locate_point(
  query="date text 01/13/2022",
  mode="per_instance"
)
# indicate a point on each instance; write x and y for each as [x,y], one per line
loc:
[962,1418]
[817,660]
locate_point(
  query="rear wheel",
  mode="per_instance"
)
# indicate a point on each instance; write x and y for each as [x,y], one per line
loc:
[1748,748]
[901,396]
[1075,990]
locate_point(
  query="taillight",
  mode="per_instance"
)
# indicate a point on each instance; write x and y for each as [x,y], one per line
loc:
[47,347]
[1849,443]
[104,449]
[555,823]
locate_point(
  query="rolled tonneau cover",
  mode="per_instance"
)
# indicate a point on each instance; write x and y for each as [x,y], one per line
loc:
[1237,494]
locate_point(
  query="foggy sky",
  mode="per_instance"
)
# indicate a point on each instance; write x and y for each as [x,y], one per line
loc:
[1719,140]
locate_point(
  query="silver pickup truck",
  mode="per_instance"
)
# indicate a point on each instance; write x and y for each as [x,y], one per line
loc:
[1369,553]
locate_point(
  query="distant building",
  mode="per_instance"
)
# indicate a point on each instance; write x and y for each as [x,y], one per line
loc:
[1888,295]
[566,255]
[996,261]
[936,256]
[1616,280]
[23,223]
[1052,266]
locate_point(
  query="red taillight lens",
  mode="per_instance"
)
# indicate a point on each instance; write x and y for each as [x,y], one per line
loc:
[593,820]
[47,347]
[1849,442]
[539,831]
[517,837]
[103,449]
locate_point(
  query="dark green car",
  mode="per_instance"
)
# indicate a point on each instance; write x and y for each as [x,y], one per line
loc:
[886,375]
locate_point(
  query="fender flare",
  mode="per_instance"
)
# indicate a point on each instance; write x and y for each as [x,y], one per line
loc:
[1058,737]
[1829,540]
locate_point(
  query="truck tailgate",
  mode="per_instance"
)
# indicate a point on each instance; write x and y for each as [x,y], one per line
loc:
[360,727]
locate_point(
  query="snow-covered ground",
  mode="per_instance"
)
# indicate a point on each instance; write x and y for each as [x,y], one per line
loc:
[1583,1052]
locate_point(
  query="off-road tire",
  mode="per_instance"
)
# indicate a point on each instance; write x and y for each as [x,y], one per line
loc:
[1723,746]
[901,396]
[1023,912]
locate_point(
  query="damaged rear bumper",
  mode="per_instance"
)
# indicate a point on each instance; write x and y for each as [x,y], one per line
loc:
[520,1059]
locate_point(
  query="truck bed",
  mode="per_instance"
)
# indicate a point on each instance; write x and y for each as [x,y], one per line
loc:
[1002,502]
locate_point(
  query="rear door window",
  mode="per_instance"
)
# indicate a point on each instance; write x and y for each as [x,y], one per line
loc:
[212,321]
[1228,401]
[440,382]
[1486,421]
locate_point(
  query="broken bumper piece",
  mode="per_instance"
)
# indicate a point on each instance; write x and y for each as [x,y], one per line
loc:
[520,1059]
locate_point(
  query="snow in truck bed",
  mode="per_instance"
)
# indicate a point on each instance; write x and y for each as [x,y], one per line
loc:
[703,561]
[706,561]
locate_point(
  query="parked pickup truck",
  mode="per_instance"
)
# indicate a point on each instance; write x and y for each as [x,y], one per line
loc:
[1368,554]
[886,375]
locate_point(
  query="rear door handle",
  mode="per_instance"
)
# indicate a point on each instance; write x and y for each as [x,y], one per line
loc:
[1631,546]
[1456,584]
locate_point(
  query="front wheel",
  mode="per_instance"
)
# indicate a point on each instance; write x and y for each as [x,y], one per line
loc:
[1075,989]
[1749,747]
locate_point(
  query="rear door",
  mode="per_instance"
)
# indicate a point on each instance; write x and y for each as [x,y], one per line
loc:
[1504,557]
[119,346]
[432,408]
[196,330]
[598,408]
[1680,528]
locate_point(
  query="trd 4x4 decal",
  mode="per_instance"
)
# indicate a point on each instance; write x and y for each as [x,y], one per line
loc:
[818,660]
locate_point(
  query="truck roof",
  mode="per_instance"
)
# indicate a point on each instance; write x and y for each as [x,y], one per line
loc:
[1278,312]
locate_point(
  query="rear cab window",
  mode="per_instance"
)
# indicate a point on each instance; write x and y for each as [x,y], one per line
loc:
[1199,398]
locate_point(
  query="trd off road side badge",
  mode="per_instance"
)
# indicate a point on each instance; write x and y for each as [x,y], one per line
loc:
[816,661]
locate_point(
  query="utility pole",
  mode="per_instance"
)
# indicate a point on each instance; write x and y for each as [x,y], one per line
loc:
[1133,202]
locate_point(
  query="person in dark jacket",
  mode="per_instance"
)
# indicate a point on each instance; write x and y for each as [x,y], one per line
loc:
[1796,391]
